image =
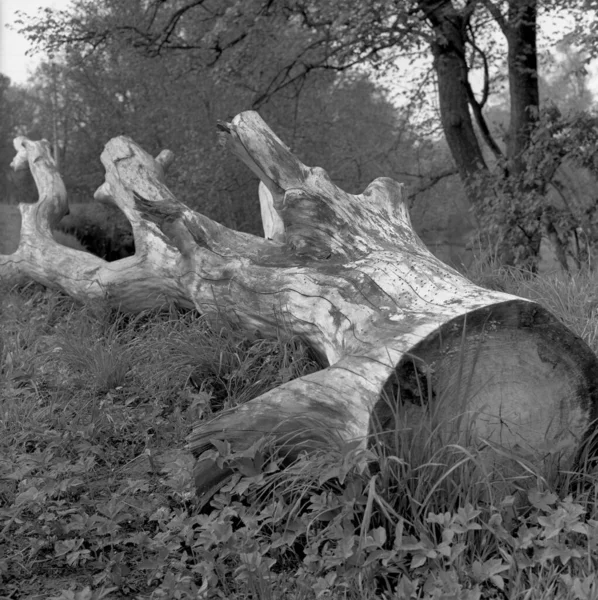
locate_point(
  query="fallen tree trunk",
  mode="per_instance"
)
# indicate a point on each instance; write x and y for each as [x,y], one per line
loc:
[405,337]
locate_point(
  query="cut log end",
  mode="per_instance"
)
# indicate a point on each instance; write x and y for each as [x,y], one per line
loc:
[509,375]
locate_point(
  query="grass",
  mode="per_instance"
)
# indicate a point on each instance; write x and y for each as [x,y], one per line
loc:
[96,493]
[10,225]
[570,297]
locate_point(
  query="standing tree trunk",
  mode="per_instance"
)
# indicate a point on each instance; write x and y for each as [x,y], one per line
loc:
[518,25]
[450,65]
[406,339]
[524,95]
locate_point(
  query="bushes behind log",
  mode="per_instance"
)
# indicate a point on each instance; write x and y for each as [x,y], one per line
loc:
[103,230]
[97,228]
[10,226]
[69,240]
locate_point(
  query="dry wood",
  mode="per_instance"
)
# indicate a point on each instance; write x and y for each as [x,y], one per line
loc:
[406,338]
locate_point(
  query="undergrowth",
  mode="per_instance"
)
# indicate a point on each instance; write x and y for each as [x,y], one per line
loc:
[96,487]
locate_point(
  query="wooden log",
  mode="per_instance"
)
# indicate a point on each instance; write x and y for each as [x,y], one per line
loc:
[404,337]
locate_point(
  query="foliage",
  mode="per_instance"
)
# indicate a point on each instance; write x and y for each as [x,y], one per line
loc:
[571,297]
[103,230]
[5,130]
[68,240]
[564,78]
[97,490]
[14,105]
[542,199]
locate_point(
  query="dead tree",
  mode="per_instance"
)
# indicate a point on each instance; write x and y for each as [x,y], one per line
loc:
[405,337]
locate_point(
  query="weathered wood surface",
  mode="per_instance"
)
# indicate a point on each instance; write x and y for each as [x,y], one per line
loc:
[404,336]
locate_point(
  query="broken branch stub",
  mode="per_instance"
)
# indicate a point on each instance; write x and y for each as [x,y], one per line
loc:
[405,338]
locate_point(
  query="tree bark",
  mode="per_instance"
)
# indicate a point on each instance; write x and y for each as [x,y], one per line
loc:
[406,339]
[450,65]
[449,49]
[522,61]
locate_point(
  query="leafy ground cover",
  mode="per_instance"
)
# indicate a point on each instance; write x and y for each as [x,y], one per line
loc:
[96,489]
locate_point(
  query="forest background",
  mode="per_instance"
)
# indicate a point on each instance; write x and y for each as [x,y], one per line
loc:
[483,108]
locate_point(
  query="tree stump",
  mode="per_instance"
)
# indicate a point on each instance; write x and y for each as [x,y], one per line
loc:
[404,336]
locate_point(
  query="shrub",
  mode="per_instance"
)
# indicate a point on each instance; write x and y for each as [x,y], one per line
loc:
[68,240]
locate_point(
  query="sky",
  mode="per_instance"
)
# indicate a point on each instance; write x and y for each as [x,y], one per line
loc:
[13,61]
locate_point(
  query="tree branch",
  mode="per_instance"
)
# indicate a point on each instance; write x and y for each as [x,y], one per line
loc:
[432,181]
[497,15]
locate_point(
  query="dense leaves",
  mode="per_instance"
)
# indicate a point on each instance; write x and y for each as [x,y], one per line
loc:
[554,196]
